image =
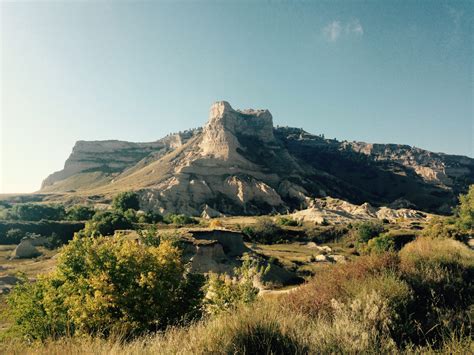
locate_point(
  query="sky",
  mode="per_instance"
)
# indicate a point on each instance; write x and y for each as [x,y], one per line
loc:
[376,71]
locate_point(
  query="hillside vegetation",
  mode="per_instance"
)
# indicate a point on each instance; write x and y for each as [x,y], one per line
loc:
[397,293]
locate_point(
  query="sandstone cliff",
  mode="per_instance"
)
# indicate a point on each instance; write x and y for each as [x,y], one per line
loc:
[240,164]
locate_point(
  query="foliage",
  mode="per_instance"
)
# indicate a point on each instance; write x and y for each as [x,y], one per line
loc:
[125,201]
[460,226]
[150,217]
[64,230]
[106,223]
[265,231]
[80,213]
[443,227]
[465,211]
[323,235]
[440,271]
[36,212]
[102,286]
[367,230]
[285,221]
[14,236]
[179,219]
[225,293]
[390,241]
[131,216]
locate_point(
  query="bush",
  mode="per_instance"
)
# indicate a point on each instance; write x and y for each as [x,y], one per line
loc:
[37,212]
[105,286]
[285,221]
[443,227]
[390,241]
[64,230]
[125,201]
[106,223]
[367,230]
[440,271]
[14,236]
[179,219]
[265,231]
[225,293]
[80,213]
[338,282]
[465,212]
[150,217]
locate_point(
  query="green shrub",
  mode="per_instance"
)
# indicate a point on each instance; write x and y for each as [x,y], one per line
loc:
[367,230]
[150,217]
[37,212]
[179,219]
[265,231]
[465,212]
[440,271]
[390,241]
[106,223]
[13,236]
[285,221]
[80,213]
[125,201]
[63,229]
[225,293]
[106,286]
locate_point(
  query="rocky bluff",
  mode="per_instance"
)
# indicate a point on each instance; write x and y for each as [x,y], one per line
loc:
[240,164]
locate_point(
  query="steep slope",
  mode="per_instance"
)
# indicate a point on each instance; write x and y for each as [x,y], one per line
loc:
[240,164]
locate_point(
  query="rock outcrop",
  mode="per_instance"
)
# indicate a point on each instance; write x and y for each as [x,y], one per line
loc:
[240,164]
[335,211]
[25,250]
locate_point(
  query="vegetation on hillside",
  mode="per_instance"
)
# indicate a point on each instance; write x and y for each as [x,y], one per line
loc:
[406,293]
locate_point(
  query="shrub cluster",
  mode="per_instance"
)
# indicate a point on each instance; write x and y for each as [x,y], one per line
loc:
[107,286]
[265,231]
[427,288]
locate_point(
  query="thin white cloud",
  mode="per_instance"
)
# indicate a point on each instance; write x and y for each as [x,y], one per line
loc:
[336,30]
[333,31]
[354,27]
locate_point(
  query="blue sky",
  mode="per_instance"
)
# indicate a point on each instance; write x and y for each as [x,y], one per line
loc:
[376,71]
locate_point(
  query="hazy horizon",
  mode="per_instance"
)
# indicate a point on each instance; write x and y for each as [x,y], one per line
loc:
[381,73]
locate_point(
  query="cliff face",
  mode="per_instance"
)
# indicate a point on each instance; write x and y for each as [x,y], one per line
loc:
[239,164]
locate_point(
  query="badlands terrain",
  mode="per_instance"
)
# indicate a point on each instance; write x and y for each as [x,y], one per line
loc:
[240,164]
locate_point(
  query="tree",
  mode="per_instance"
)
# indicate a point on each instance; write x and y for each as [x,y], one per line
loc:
[37,212]
[465,211]
[106,223]
[125,201]
[80,213]
[108,286]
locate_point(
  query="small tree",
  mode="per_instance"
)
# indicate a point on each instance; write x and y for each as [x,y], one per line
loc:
[80,213]
[125,201]
[225,293]
[106,223]
[465,211]
[107,286]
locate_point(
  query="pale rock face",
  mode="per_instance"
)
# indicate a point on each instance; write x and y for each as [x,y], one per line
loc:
[336,211]
[219,139]
[240,164]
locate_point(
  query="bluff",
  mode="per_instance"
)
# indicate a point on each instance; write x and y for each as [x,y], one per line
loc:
[239,163]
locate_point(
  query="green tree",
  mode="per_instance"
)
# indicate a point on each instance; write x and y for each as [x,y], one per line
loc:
[37,212]
[125,201]
[465,211]
[367,230]
[106,223]
[107,286]
[80,213]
